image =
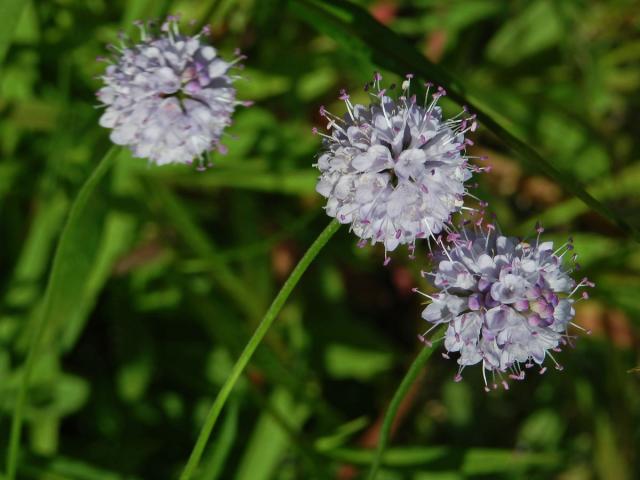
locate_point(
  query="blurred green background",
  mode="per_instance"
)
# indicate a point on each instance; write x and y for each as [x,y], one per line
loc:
[168,270]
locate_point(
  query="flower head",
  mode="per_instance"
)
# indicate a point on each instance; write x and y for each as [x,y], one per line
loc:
[506,302]
[394,169]
[168,97]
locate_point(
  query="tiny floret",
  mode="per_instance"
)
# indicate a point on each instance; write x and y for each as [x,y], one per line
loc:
[395,169]
[168,97]
[507,303]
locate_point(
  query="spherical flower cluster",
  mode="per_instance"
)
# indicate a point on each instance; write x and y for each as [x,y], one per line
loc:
[506,302]
[394,169]
[169,97]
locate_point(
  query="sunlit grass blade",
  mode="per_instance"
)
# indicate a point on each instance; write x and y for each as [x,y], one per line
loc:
[253,344]
[71,267]
[390,51]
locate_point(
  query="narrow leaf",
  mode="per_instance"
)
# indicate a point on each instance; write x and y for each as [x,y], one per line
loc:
[72,265]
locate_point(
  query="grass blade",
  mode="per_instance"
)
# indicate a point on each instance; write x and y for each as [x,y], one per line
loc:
[467,461]
[222,446]
[72,264]
[252,345]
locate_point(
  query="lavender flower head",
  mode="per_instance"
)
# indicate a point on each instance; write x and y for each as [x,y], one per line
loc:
[506,303]
[169,97]
[394,169]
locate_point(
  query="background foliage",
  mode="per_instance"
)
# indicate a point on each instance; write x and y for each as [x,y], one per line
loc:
[166,271]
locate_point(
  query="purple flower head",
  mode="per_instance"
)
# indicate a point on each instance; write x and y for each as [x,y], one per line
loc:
[395,169]
[507,303]
[168,97]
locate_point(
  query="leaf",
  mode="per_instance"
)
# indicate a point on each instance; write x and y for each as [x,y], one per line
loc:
[259,85]
[463,14]
[471,461]
[609,188]
[609,461]
[542,430]
[455,18]
[134,376]
[32,264]
[571,141]
[72,265]
[9,171]
[458,400]
[341,435]
[313,84]
[536,28]
[116,232]
[390,51]
[10,12]
[64,394]
[393,457]
[269,441]
[219,451]
[346,361]
[66,468]
[28,30]
[83,258]
[486,461]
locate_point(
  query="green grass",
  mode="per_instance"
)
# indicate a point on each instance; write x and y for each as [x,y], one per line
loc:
[138,326]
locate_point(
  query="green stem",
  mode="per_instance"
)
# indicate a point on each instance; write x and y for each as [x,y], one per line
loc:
[414,370]
[252,345]
[40,320]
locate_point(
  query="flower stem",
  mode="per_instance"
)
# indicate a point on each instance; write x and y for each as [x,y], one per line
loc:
[394,405]
[252,345]
[75,215]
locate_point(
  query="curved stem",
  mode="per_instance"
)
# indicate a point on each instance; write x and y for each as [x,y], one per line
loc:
[252,345]
[41,317]
[394,405]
